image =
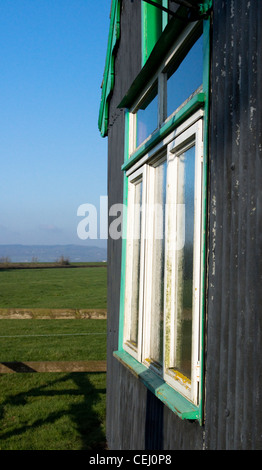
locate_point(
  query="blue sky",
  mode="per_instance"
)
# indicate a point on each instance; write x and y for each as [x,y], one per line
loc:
[52,156]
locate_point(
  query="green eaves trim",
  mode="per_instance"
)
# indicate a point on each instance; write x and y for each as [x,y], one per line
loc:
[174,400]
[109,71]
[151,27]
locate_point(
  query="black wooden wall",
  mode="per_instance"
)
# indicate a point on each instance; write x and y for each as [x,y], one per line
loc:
[135,418]
[234,365]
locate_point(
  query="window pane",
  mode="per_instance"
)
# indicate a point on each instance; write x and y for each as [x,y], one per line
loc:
[136,241]
[184,263]
[157,305]
[186,79]
[147,117]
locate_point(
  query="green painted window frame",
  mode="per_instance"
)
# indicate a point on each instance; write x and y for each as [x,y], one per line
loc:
[170,397]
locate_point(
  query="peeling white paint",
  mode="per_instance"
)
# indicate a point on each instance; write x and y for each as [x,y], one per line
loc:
[252,112]
[232,9]
[240,70]
[238,135]
[214,205]
[213,270]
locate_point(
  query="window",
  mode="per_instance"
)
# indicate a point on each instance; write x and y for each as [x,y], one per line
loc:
[187,78]
[178,79]
[163,265]
[183,259]
[161,310]
[147,117]
[134,275]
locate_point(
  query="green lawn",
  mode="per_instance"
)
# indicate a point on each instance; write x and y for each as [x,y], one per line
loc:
[77,288]
[52,411]
[52,340]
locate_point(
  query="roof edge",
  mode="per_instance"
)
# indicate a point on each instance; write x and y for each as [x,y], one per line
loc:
[109,75]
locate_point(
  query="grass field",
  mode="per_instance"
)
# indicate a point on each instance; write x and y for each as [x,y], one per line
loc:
[53,288]
[52,411]
[52,340]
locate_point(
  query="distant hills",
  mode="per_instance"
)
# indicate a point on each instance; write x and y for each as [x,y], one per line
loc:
[51,253]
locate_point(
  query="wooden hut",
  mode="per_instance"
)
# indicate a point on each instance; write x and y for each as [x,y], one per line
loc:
[181,109]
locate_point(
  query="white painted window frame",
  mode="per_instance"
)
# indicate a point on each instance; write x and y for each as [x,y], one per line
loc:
[187,134]
[136,177]
[191,136]
[148,262]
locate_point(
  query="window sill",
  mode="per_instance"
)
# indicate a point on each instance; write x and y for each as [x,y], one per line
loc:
[174,400]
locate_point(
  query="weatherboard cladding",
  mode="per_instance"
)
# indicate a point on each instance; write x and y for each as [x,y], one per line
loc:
[135,418]
[233,377]
[126,68]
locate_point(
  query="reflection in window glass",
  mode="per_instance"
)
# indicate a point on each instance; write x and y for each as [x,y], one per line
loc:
[146,118]
[184,264]
[186,79]
[157,305]
[136,240]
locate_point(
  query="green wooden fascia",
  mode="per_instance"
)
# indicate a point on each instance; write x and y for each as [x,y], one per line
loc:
[109,71]
[205,7]
[151,28]
[164,15]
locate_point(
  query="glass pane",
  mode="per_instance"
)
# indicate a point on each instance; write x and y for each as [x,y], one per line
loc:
[157,305]
[136,241]
[184,259]
[186,79]
[146,117]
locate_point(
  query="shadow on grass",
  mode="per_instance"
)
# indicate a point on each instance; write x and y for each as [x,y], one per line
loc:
[85,417]
[81,413]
